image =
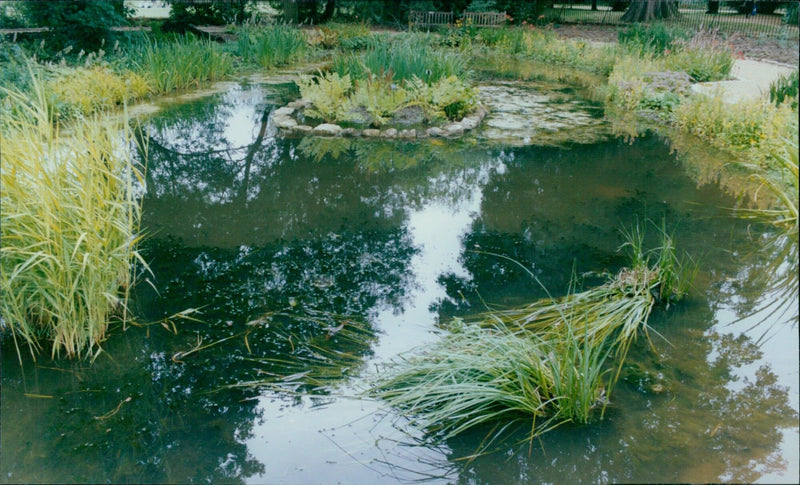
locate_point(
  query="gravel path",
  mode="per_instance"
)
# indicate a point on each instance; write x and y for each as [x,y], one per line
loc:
[752,80]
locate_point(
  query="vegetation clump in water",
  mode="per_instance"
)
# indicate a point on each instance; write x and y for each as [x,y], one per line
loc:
[546,361]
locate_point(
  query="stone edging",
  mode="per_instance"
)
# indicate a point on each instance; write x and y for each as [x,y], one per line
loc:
[282,118]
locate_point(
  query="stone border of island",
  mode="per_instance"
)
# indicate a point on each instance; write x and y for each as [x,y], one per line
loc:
[284,119]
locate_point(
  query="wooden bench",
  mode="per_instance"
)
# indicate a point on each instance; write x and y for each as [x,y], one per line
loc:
[484,19]
[417,18]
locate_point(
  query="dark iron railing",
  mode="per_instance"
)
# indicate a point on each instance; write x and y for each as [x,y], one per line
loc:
[771,18]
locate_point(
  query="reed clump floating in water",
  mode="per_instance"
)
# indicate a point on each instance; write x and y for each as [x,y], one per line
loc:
[70,218]
[550,361]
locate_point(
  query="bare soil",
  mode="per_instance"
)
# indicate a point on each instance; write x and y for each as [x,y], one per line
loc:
[755,48]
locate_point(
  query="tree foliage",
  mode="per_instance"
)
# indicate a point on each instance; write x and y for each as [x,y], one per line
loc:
[215,12]
[82,24]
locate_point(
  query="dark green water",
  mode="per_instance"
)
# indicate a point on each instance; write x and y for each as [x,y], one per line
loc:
[280,241]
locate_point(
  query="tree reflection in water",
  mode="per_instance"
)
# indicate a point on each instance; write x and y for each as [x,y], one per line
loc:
[251,228]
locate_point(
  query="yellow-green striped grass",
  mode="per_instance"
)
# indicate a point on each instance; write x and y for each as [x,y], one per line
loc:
[70,218]
[545,362]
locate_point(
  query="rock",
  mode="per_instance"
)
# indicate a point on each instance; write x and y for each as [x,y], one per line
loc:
[284,122]
[359,115]
[349,132]
[302,129]
[435,131]
[285,111]
[390,133]
[470,122]
[408,134]
[410,115]
[327,129]
[454,129]
[371,132]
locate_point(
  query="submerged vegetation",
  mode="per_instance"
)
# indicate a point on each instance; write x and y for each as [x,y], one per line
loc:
[547,362]
[70,217]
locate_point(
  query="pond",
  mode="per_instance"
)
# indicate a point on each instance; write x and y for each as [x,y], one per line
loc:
[349,252]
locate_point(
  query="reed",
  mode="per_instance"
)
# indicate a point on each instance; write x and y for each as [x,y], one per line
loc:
[547,361]
[270,45]
[403,60]
[185,63]
[69,225]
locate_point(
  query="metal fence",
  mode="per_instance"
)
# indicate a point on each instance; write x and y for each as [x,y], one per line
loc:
[771,18]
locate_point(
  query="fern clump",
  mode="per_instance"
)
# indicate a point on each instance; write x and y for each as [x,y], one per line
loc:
[375,99]
[328,93]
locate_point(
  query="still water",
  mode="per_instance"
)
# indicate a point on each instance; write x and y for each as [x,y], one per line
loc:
[278,242]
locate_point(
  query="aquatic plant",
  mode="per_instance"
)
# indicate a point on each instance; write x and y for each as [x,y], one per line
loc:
[86,90]
[184,63]
[544,362]
[327,93]
[270,45]
[403,59]
[786,88]
[70,218]
[752,130]
[547,47]
[333,349]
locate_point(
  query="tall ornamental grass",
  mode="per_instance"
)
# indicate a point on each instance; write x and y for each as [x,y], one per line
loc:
[546,362]
[184,63]
[403,59]
[270,45]
[83,91]
[69,226]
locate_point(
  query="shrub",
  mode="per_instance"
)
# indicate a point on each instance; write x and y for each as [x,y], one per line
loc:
[82,24]
[13,67]
[183,14]
[791,16]
[702,64]
[349,36]
[704,57]
[654,37]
